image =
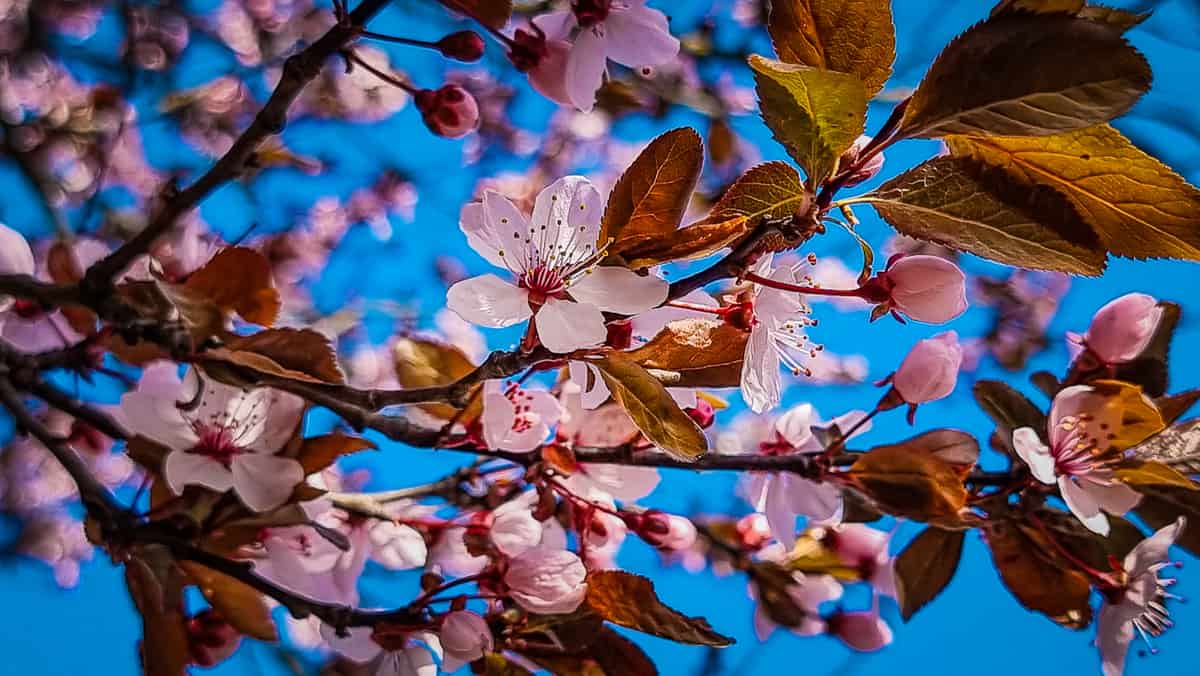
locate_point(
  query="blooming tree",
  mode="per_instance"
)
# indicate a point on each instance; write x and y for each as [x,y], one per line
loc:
[650,296]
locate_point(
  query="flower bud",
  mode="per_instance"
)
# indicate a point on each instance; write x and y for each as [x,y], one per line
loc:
[544,61]
[466,46]
[16,258]
[547,581]
[862,631]
[702,413]
[668,531]
[449,111]
[930,370]
[867,171]
[210,638]
[1121,330]
[514,529]
[465,637]
[928,289]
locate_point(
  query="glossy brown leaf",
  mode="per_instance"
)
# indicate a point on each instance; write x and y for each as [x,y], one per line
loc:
[1139,419]
[618,656]
[317,453]
[158,596]
[849,36]
[238,279]
[651,407]
[240,605]
[1172,407]
[925,567]
[1039,6]
[815,114]
[420,362]
[1092,548]
[1038,579]
[1023,74]
[968,206]
[1009,409]
[910,482]
[695,353]
[651,196]
[1138,206]
[1162,505]
[630,601]
[293,354]
[1140,473]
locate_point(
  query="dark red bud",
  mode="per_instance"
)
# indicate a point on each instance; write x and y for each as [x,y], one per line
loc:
[620,335]
[462,46]
[703,413]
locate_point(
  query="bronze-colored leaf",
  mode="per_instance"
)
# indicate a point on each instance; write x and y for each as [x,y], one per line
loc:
[1172,407]
[910,482]
[1009,409]
[496,664]
[1138,206]
[630,601]
[925,567]
[651,196]
[491,13]
[969,206]
[240,605]
[299,354]
[1022,74]
[695,353]
[1038,579]
[849,36]
[1039,6]
[815,114]
[157,593]
[1093,548]
[420,362]
[1177,446]
[1139,473]
[1120,19]
[1140,420]
[651,407]
[317,453]
[238,279]
[1162,505]
[618,656]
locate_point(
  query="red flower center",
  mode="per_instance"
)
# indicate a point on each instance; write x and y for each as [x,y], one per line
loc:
[543,283]
[590,12]
[217,443]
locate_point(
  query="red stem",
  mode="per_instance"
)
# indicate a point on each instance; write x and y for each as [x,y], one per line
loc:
[812,290]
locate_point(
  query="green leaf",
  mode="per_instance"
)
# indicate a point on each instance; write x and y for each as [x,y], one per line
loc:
[925,567]
[815,114]
[1023,74]
[968,206]
[630,601]
[1138,206]
[652,194]
[651,408]
[849,36]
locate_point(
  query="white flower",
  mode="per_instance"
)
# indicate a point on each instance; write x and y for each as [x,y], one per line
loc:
[547,581]
[1139,606]
[776,336]
[465,637]
[221,438]
[554,257]
[516,419]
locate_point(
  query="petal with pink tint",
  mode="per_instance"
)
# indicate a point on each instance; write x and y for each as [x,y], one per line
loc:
[264,481]
[1029,447]
[585,67]
[930,371]
[762,383]
[639,36]
[621,290]
[489,301]
[592,390]
[549,77]
[928,289]
[1122,329]
[1083,506]
[184,469]
[566,220]
[862,631]
[1111,495]
[397,546]
[486,242]
[564,326]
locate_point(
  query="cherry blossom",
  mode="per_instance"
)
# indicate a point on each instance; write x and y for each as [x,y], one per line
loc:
[554,256]
[544,61]
[547,581]
[930,371]
[465,637]
[866,550]
[1121,330]
[514,530]
[16,258]
[219,436]
[625,31]
[517,419]
[924,288]
[808,592]
[783,496]
[449,111]
[1139,605]
[668,530]
[776,336]
[864,631]
[1080,423]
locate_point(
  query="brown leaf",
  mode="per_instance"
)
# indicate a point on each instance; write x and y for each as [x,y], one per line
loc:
[1038,579]
[695,353]
[618,656]
[1009,409]
[651,196]
[491,13]
[158,596]
[1092,548]
[1162,505]
[651,407]
[1039,6]
[849,36]
[969,206]
[1174,406]
[1139,473]
[1139,419]
[1177,446]
[420,362]
[925,567]
[1138,206]
[240,605]
[630,601]
[317,453]
[293,354]
[238,279]
[907,481]
[1022,74]
[815,114]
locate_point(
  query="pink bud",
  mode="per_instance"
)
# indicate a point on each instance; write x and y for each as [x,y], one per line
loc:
[861,631]
[702,413]
[547,581]
[210,638]
[544,61]
[930,370]
[465,637]
[462,46]
[450,111]
[668,531]
[1121,330]
[928,289]
[867,171]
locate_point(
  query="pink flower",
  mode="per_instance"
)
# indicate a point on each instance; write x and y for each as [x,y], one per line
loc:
[220,437]
[16,258]
[808,592]
[1080,422]
[1140,604]
[547,581]
[544,61]
[605,426]
[927,289]
[776,336]
[516,419]
[465,638]
[625,31]
[554,258]
[1121,330]
[668,531]
[514,530]
[866,550]
[863,631]
[449,111]
[930,371]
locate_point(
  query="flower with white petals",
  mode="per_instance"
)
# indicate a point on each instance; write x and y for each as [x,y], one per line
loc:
[1081,421]
[547,581]
[777,336]
[465,637]
[1138,606]
[554,256]
[221,437]
[517,419]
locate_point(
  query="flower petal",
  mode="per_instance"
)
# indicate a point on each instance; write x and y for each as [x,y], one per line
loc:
[639,36]
[622,290]
[1035,454]
[1083,506]
[1113,496]
[564,326]
[263,481]
[592,389]
[1113,635]
[780,515]
[566,222]
[585,67]
[185,469]
[489,301]
[1153,550]
[762,384]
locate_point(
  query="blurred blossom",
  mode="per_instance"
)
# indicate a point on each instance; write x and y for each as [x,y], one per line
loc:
[157,36]
[58,540]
